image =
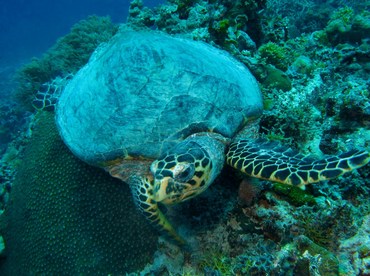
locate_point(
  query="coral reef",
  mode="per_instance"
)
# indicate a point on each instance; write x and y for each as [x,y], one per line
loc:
[328,96]
[346,26]
[16,132]
[312,61]
[274,54]
[68,55]
[68,218]
[356,248]
[217,22]
[316,99]
[11,122]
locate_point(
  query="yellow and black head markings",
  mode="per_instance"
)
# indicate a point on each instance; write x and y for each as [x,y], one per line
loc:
[271,161]
[181,174]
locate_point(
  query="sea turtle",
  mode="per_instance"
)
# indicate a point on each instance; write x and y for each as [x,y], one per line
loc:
[164,113]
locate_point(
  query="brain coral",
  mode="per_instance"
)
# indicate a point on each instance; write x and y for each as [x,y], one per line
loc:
[67,218]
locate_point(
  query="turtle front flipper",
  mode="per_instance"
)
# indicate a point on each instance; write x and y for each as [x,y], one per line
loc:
[142,191]
[271,161]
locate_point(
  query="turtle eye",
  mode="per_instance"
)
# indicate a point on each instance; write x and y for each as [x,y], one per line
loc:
[185,173]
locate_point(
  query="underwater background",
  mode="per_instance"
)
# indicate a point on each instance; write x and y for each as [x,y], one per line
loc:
[60,216]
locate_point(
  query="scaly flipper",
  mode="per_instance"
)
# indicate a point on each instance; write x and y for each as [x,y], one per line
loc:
[142,191]
[271,161]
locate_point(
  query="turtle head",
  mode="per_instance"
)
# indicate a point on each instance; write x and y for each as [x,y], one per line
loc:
[179,177]
[186,170]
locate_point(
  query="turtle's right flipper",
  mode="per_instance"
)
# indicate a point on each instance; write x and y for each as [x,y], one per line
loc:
[142,191]
[271,161]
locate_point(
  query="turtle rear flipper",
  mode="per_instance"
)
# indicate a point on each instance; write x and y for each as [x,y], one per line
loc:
[271,161]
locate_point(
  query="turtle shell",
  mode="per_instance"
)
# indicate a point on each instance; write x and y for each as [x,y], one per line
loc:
[145,91]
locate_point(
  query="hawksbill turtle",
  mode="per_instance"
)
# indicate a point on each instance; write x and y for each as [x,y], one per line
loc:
[164,114]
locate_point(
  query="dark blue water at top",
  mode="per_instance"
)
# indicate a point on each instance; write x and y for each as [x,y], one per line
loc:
[29,28]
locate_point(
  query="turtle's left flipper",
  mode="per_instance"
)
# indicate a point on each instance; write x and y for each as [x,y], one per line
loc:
[271,161]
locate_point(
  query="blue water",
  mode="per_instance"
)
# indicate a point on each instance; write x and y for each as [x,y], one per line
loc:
[29,28]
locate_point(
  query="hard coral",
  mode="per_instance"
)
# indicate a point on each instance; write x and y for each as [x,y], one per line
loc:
[355,251]
[275,55]
[346,26]
[68,218]
[319,260]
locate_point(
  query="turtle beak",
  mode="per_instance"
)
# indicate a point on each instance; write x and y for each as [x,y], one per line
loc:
[169,192]
[161,189]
